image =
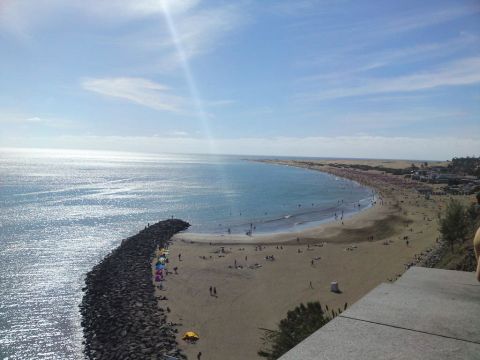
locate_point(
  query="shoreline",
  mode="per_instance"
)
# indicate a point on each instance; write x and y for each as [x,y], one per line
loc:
[367,218]
[120,313]
[255,292]
[318,230]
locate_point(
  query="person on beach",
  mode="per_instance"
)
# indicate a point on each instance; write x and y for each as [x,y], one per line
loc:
[214,291]
[199,355]
[476,247]
[211,291]
[179,257]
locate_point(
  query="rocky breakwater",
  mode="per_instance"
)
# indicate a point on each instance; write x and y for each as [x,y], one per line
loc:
[120,314]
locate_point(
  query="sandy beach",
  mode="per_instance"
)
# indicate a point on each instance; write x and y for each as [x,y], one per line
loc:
[253,292]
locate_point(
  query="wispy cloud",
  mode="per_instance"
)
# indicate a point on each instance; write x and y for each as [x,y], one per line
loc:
[178,133]
[199,32]
[200,28]
[366,61]
[137,90]
[29,120]
[21,18]
[407,21]
[461,72]
[219,103]
[414,20]
[301,7]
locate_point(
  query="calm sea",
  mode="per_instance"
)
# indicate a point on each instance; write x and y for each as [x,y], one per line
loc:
[63,211]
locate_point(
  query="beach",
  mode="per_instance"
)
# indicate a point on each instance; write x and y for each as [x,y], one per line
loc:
[254,292]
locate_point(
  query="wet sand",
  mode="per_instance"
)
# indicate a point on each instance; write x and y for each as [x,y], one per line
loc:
[251,297]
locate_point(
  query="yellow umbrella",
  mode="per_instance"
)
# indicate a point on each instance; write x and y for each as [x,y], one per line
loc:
[190,335]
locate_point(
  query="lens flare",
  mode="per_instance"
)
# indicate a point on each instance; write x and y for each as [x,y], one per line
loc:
[197,101]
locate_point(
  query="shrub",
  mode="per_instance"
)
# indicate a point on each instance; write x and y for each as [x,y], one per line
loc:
[454,225]
[300,323]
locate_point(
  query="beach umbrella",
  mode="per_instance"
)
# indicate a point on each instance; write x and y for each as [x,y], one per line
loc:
[190,335]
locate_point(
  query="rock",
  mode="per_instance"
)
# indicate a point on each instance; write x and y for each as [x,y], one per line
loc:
[115,291]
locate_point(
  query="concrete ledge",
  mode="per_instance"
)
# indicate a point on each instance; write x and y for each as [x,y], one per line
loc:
[426,314]
[445,314]
[350,339]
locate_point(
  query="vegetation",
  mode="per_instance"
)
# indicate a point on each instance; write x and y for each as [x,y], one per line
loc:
[297,326]
[465,165]
[378,168]
[453,223]
[458,224]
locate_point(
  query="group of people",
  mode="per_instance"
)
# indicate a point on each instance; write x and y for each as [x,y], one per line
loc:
[161,267]
[213,291]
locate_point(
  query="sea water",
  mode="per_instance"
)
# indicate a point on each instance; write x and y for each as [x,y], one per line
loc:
[63,211]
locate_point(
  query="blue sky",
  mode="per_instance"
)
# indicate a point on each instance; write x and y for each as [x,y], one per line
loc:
[383,79]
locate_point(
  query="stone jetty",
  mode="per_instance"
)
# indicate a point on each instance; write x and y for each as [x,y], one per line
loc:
[121,318]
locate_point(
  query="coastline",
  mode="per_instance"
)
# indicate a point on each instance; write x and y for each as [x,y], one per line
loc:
[385,211]
[120,314]
[255,293]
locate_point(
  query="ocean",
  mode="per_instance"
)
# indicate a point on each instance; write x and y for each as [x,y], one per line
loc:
[62,211]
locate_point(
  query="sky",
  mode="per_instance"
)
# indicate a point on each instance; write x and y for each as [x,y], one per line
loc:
[366,79]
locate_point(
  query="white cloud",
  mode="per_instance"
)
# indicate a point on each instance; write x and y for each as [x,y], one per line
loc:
[301,7]
[21,17]
[366,61]
[436,148]
[194,33]
[26,120]
[218,103]
[35,119]
[199,28]
[137,90]
[461,72]
[178,133]
[414,20]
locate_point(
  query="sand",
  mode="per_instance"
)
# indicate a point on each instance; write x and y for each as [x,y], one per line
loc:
[249,299]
